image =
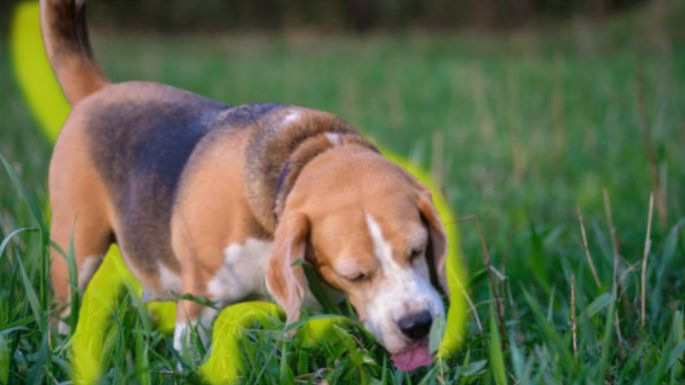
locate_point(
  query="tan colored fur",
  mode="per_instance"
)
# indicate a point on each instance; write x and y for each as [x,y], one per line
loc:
[80,206]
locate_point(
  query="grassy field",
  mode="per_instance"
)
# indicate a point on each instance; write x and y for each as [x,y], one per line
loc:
[521,130]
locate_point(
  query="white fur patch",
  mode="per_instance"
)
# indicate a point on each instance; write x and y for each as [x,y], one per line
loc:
[168,280]
[381,248]
[291,117]
[63,327]
[169,283]
[180,335]
[203,326]
[86,269]
[334,138]
[401,291]
[243,271]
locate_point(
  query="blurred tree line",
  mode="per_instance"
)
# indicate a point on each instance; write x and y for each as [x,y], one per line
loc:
[335,15]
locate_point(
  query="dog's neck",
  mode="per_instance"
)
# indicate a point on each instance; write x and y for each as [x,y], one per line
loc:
[303,155]
[282,149]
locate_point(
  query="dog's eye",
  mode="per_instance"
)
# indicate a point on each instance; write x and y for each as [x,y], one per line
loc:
[359,277]
[416,253]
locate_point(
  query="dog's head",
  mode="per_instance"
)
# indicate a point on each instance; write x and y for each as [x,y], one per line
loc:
[371,231]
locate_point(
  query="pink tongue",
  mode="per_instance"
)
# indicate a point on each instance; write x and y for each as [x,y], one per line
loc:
[412,358]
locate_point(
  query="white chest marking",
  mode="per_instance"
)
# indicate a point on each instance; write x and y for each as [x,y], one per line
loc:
[243,271]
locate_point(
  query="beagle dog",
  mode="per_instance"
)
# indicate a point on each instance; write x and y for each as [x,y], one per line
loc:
[224,202]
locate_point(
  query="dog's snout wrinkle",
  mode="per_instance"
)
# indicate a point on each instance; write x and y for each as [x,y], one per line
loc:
[416,326]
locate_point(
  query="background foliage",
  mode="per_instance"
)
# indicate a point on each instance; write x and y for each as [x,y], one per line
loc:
[339,15]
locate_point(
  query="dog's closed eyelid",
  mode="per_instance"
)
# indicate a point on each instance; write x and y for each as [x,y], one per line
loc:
[359,277]
[416,251]
[417,243]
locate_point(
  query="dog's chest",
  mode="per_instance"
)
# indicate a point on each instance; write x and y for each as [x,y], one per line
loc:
[242,272]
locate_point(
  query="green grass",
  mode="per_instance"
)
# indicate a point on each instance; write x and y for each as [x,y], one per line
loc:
[518,129]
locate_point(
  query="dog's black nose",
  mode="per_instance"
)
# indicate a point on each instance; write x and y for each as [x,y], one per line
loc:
[416,326]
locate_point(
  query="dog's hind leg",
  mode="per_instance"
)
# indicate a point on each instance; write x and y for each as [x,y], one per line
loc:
[79,218]
[90,241]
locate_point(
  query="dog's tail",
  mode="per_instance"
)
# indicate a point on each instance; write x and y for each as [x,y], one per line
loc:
[66,40]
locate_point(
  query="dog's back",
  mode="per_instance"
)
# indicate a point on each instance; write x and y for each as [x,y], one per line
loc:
[141,137]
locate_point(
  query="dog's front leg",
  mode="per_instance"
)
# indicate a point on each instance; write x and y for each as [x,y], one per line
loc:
[193,319]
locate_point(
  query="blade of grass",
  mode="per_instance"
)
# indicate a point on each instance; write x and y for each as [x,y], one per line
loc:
[24,193]
[645,255]
[517,358]
[559,343]
[5,360]
[8,238]
[586,249]
[573,316]
[31,296]
[649,149]
[494,287]
[140,353]
[44,266]
[607,346]
[675,348]
[676,360]
[495,351]
[40,367]
[538,261]
[599,304]
[430,376]
[285,375]
[615,244]
[74,303]
[631,364]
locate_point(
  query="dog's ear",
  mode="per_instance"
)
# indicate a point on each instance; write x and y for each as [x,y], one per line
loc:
[436,252]
[285,278]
